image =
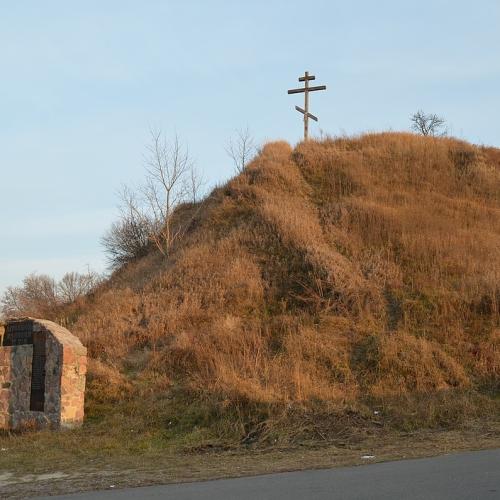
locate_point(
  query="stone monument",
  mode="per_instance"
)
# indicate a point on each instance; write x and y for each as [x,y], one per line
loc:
[42,375]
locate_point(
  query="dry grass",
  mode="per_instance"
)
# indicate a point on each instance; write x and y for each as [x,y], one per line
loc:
[71,467]
[341,271]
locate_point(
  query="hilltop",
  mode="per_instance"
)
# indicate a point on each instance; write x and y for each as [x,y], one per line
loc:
[340,276]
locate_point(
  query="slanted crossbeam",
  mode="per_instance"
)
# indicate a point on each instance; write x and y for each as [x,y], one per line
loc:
[303,111]
[306,89]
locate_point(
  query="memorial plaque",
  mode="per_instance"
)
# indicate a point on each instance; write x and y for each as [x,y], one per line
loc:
[37,399]
[18,333]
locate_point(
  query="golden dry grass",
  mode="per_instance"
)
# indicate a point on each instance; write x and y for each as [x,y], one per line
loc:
[342,270]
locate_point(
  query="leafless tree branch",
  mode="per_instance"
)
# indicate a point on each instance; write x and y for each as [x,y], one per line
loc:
[428,125]
[146,214]
[40,295]
[241,149]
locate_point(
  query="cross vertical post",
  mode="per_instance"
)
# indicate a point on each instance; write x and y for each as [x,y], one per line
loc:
[306,105]
[306,89]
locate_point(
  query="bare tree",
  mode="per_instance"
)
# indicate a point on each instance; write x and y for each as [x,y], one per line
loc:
[41,296]
[168,168]
[241,149]
[430,124]
[36,297]
[75,285]
[11,301]
[146,214]
[196,184]
[40,289]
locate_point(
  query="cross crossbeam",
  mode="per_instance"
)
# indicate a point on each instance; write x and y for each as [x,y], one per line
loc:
[307,78]
[305,90]
[303,111]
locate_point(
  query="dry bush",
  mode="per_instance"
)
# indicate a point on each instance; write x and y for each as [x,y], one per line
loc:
[343,269]
[41,296]
[36,297]
[127,240]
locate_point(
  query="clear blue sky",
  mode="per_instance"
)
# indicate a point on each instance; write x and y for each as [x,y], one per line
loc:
[82,82]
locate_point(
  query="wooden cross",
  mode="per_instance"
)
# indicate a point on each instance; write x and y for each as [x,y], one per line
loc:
[306,89]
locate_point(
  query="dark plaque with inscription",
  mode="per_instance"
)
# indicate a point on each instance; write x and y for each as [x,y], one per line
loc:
[18,333]
[37,399]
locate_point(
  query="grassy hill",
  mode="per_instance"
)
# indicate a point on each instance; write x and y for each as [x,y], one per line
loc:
[325,283]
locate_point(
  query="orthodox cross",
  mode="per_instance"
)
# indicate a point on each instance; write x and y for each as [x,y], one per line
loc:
[306,89]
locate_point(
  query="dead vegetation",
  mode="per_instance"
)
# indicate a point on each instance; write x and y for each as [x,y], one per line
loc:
[341,276]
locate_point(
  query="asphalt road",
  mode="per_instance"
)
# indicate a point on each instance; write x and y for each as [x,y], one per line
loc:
[474,475]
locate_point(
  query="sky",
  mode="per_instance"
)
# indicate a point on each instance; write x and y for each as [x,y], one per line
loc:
[82,83]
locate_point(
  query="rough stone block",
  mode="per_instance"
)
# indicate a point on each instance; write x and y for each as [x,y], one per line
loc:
[48,374]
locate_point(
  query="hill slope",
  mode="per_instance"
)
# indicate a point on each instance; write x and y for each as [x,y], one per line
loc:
[341,274]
